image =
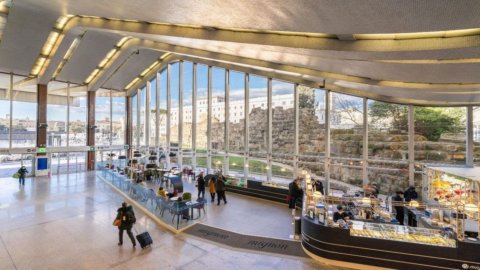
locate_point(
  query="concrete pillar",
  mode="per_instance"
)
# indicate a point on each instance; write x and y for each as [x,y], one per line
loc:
[90,130]
[41,115]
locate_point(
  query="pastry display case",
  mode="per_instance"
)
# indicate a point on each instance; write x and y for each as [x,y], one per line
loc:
[402,233]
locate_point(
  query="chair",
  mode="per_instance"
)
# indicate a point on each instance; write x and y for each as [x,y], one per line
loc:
[200,205]
[179,209]
[187,196]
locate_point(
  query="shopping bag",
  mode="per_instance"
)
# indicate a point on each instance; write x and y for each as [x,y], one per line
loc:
[16,175]
[117,222]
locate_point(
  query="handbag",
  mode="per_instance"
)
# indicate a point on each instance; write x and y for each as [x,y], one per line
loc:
[16,175]
[117,222]
[289,198]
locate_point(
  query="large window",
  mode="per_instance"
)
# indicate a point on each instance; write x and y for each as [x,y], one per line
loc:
[346,125]
[77,126]
[153,110]
[258,116]
[218,110]
[174,104]
[440,135]
[187,135]
[388,140]
[135,120]
[24,117]
[102,117]
[118,119]
[236,97]
[57,120]
[141,124]
[66,115]
[202,109]
[163,108]
[311,134]
[476,134]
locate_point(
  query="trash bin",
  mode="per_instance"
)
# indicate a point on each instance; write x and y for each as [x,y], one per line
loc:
[298,225]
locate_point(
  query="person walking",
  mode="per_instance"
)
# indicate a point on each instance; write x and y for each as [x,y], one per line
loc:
[127,217]
[201,185]
[294,193]
[211,188]
[22,173]
[220,189]
[398,203]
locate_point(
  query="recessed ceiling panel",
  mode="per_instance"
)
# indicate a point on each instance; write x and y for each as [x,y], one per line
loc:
[132,68]
[93,47]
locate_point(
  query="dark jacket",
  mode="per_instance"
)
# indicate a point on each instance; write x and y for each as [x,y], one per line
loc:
[319,186]
[220,184]
[22,171]
[201,182]
[127,216]
[294,190]
[410,194]
[399,204]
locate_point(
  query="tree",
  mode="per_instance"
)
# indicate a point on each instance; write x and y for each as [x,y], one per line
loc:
[429,121]
[398,114]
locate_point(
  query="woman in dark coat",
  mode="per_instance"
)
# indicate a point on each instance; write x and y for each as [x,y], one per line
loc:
[127,217]
[295,193]
[201,185]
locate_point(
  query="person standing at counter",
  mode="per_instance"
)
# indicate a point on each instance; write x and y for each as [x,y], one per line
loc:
[410,194]
[319,186]
[294,193]
[399,208]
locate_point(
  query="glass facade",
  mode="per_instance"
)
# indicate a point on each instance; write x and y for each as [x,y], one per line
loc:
[261,128]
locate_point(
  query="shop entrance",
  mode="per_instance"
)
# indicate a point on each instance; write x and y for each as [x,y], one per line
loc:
[63,162]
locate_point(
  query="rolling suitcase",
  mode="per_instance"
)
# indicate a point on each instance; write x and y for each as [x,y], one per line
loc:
[144,239]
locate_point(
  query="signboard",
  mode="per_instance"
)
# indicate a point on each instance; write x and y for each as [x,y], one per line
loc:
[41,150]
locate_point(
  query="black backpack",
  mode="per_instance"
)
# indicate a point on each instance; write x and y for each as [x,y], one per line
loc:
[130,217]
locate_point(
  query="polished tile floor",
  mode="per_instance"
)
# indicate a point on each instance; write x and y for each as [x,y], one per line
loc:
[65,223]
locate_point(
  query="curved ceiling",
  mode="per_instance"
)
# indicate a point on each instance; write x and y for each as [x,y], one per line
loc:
[371,48]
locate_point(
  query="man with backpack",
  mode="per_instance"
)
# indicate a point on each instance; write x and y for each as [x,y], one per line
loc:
[127,218]
[22,172]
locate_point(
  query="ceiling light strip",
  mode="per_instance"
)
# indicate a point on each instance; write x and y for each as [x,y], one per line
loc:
[50,45]
[68,54]
[110,55]
[146,71]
